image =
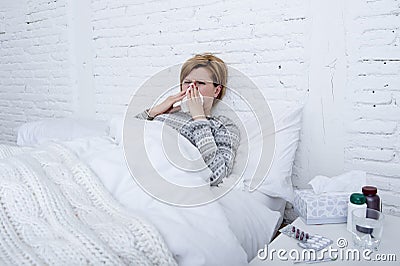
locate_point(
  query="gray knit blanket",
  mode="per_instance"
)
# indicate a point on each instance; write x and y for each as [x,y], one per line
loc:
[55,211]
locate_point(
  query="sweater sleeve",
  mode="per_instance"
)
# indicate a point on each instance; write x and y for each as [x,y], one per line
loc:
[141,115]
[218,149]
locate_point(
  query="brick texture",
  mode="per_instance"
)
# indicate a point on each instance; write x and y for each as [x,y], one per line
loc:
[34,76]
[373,124]
[268,41]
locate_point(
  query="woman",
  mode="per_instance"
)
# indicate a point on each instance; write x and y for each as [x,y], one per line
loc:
[217,138]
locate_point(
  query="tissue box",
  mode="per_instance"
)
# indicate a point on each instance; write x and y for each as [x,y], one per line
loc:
[325,208]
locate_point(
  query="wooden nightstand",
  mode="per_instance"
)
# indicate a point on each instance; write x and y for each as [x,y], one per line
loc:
[389,248]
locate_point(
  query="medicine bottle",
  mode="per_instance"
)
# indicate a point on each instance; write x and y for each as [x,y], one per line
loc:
[372,199]
[357,201]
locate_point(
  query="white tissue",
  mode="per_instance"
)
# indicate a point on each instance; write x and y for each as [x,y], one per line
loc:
[184,104]
[352,181]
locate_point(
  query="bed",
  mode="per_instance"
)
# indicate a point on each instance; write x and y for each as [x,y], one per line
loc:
[99,214]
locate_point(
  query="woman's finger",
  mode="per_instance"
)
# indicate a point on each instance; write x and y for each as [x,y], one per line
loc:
[177,97]
[196,92]
[190,96]
[180,98]
[180,94]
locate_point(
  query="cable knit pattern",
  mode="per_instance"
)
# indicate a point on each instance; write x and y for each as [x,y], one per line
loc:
[217,139]
[8,150]
[54,210]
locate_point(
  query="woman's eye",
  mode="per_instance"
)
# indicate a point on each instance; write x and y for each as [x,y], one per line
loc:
[186,82]
[201,83]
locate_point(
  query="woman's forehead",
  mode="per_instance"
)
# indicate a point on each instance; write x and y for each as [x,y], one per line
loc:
[200,73]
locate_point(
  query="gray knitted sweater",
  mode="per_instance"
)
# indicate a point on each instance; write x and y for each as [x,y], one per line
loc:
[217,139]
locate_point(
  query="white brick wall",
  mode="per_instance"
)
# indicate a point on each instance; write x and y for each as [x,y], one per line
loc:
[373,134]
[34,57]
[343,56]
[133,42]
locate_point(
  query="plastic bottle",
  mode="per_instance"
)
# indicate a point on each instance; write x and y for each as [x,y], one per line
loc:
[357,201]
[372,199]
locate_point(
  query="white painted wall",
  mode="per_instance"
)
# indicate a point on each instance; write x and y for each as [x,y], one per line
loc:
[81,56]
[373,85]
[323,134]
[34,79]
[86,58]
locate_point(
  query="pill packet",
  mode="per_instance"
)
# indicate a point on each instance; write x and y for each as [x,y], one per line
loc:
[306,240]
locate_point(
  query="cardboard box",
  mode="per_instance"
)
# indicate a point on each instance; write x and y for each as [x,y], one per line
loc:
[324,208]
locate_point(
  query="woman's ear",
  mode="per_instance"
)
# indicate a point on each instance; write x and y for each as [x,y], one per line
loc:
[217,91]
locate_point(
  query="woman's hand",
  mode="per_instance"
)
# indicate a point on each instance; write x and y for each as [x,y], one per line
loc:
[195,104]
[167,105]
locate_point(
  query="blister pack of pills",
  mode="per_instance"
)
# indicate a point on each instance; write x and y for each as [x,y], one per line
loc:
[306,240]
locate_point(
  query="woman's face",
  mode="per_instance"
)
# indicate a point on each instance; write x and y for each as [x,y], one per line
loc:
[201,77]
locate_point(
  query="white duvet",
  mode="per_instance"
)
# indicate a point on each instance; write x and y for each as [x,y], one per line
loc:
[226,232]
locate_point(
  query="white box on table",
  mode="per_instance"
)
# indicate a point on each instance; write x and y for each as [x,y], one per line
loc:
[322,208]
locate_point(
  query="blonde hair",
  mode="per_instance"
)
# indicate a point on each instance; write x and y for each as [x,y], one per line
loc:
[217,68]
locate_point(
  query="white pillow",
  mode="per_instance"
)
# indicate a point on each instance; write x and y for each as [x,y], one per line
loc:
[37,132]
[277,183]
[287,119]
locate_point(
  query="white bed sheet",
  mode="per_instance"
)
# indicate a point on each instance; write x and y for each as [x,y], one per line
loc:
[252,222]
[228,231]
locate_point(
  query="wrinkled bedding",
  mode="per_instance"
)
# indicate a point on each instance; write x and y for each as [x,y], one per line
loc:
[55,211]
[228,231]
